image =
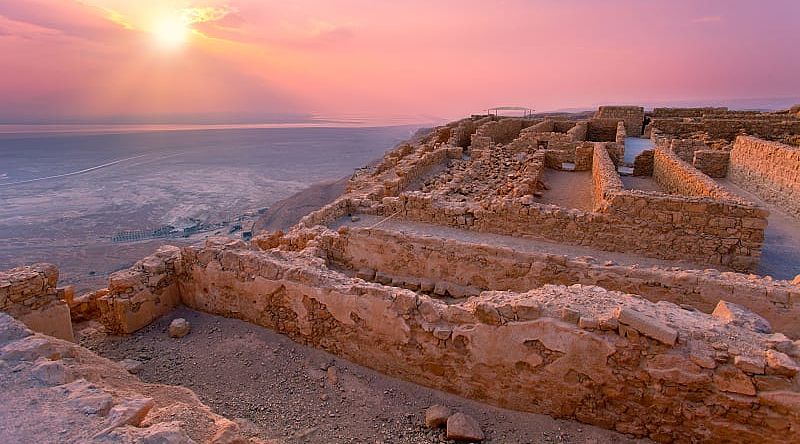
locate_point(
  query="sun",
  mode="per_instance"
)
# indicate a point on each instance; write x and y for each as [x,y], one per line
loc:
[171,32]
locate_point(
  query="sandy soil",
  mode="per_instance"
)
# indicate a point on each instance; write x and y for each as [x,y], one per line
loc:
[277,389]
[568,189]
[643,183]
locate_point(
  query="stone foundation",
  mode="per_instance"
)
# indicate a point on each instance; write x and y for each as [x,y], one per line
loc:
[582,352]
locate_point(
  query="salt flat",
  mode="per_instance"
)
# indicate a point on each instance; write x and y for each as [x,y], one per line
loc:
[63,195]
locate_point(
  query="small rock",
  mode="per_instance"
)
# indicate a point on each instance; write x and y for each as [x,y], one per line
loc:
[731,313]
[128,412]
[50,372]
[131,365]
[179,328]
[436,416]
[461,427]
[333,378]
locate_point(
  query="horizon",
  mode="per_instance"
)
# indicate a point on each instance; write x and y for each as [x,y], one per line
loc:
[246,62]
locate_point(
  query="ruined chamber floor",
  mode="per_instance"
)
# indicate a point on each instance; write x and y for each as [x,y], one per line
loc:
[568,189]
[780,256]
[277,389]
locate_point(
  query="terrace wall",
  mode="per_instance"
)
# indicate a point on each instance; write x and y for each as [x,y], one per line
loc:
[769,169]
[604,358]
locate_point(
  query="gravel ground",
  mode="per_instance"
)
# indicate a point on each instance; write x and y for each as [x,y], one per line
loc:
[277,389]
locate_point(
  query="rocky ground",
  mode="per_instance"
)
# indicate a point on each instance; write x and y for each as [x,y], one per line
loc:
[277,389]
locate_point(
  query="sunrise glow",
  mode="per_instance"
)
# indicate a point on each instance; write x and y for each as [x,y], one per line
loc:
[258,58]
[171,33]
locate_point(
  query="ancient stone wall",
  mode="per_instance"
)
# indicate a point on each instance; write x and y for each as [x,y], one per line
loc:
[725,128]
[504,130]
[686,112]
[458,269]
[621,133]
[605,179]
[579,131]
[685,148]
[462,134]
[633,116]
[142,293]
[602,130]
[680,228]
[677,176]
[643,163]
[563,126]
[604,358]
[769,169]
[30,295]
[714,163]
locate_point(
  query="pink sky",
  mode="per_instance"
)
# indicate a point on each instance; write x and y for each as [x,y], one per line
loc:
[247,59]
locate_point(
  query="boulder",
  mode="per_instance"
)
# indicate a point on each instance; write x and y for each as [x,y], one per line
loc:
[734,314]
[179,328]
[461,427]
[436,416]
[131,365]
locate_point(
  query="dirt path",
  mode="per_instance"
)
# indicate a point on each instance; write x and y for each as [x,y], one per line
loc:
[780,256]
[519,244]
[278,389]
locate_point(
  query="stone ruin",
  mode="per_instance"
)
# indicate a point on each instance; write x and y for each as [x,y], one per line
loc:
[441,266]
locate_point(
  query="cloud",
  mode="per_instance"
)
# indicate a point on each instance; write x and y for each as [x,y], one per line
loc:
[207,14]
[708,19]
[68,18]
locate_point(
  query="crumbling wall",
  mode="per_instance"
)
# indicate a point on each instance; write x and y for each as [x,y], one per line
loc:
[701,230]
[621,133]
[142,293]
[457,269]
[714,163]
[604,358]
[677,176]
[643,163]
[720,127]
[769,169]
[462,134]
[30,295]
[686,112]
[504,130]
[633,116]
[685,148]
[602,130]
[579,131]
[605,179]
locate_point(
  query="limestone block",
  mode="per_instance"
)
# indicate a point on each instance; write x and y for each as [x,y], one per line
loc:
[731,313]
[647,326]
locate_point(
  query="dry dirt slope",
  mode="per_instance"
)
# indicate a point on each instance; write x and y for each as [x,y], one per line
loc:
[290,393]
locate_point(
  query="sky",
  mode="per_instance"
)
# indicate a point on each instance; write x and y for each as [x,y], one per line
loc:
[262,60]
